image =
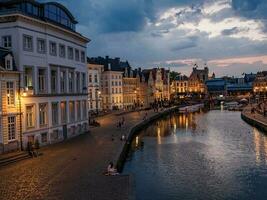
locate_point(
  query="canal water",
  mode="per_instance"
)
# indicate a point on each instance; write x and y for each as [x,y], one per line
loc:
[213,155]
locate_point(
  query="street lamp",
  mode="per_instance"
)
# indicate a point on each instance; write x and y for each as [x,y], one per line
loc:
[97,99]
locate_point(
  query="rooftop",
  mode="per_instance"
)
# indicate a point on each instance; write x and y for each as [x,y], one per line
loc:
[52,12]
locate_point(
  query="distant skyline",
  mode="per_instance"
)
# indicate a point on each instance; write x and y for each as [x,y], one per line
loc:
[229,35]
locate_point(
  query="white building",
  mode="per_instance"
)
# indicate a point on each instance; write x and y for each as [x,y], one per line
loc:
[52,58]
[94,89]
[112,93]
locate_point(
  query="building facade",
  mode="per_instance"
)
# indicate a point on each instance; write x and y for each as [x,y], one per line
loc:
[10,103]
[155,85]
[112,93]
[180,86]
[94,87]
[260,84]
[196,81]
[52,58]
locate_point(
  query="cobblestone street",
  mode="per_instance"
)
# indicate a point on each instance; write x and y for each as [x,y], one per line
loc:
[72,169]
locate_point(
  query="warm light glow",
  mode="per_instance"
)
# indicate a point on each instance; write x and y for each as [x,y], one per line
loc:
[159,136]
[136,141]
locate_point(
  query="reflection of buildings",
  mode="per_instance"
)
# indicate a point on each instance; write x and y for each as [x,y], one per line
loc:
[260,142]
[52,58]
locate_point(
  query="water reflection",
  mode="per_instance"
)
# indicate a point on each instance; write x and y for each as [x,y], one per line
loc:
[212,155]
[260,142]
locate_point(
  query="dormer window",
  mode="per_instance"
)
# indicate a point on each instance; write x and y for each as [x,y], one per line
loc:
[9,62]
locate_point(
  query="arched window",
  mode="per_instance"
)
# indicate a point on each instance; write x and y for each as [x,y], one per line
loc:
[59,14]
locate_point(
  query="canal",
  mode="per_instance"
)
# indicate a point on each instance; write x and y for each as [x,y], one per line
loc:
[213,155]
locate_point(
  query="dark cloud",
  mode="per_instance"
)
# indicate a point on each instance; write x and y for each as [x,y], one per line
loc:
[126,29]
[233,31]
[186,43]
[252,9]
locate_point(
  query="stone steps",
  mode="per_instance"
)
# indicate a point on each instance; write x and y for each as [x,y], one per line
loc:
[13,158]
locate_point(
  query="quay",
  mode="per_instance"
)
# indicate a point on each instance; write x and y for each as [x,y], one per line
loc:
[255,119]
[74,169]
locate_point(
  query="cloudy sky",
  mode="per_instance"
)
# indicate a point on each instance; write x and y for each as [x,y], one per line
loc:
[229,35]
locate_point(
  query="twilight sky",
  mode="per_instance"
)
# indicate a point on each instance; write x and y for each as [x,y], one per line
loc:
[229,35]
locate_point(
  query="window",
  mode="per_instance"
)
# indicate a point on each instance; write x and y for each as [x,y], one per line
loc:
[43,114]
[27,43]
[7,41]
[63,81]
[83,81]
[90,94]
[96,78]
[82,56]
[72,111]
[53,48]
[54,113]
[63,108]
[62,51]
[11,128]
[53,81]
[9,62]
[28,73]
[71,81]
[10,90]
[78,103]
[30,116]
[41,81]
[78,82]
[41,45]
[84,110]
[77,55]
[70,53]
[43,138]
[90,78]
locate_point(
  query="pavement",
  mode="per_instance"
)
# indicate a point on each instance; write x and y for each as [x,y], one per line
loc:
[257,116]
[73,170]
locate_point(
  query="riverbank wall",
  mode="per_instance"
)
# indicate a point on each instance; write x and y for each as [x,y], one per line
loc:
[254,120]
[121,158]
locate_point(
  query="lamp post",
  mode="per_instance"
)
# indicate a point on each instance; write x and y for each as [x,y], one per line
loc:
[24,94]
[98,93]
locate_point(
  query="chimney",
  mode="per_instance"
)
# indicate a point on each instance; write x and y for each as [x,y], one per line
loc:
[109,66]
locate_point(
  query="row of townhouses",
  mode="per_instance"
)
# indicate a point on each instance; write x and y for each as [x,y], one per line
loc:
[113,84]
[200,84]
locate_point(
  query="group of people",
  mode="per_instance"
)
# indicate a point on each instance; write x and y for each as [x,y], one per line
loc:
[33,148]
[121,122]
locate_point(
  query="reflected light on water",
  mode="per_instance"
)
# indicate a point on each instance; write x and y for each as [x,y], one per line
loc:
[137,141]
[158,135]
[265,149]
[257,144]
